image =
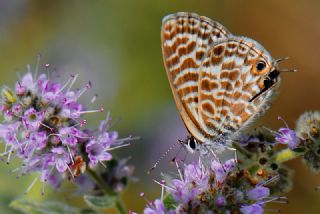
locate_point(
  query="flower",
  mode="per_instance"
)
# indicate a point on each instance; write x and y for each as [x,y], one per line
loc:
[289,137]
[195,181]
[157,207]
[258,193]
[214,188]
[222,170]
[252,209]
[43,126]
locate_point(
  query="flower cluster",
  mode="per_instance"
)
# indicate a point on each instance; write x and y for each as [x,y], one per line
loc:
[43,125]
[219,188]
[308,132]
[258,152]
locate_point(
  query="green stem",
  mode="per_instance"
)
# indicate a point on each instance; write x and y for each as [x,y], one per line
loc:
[107,190]
[120,206]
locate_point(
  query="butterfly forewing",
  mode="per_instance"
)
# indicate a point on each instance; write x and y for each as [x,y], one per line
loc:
[228,81]
[186,39]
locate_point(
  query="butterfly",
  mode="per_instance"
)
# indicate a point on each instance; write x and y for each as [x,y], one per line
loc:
[221,83]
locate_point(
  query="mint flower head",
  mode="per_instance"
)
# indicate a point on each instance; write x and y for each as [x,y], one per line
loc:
[43,125]
[213,188]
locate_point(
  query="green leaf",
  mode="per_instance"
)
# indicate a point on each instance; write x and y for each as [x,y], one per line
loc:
[105,201]
[169,202]
[34,207]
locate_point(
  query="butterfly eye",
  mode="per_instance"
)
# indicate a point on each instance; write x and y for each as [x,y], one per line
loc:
[192,144]
[260,66]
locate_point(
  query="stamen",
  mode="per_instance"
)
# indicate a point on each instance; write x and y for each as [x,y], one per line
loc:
[43,186]
[162,188]
[50,128]
[94,98]
[142,195]
[81,123]
[90,111]
[71,78]
[70,171]
[31,185]
[269,180]
[28,68]
[103,164]
[47,65]
[74,79]
[130,138]
[162,183]
[36,70]
[179,171]
[117,147]
[83,90]
[69,151]
[280,118]
[9,156]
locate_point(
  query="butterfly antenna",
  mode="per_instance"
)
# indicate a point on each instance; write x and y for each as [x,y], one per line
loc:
[164,155]
[277,61]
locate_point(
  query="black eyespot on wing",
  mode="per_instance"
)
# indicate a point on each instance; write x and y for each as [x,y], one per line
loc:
[260,66]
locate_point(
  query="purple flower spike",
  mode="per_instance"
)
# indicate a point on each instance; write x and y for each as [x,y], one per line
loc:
[258,193]
[43,125]
[252,209]
[287,136]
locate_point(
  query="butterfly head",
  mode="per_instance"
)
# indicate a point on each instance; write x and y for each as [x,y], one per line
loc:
[191,144]
[269,72]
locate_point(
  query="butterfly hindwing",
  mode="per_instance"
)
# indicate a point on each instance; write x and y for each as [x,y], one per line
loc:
[228,81]
[186,39]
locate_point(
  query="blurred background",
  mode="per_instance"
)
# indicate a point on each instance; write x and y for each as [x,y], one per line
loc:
[116,45]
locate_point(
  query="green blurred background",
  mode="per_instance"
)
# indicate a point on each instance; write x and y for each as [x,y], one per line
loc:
[116,45]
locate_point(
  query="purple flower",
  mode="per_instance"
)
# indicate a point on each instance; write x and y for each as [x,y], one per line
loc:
[26,84]
[32,119]
[222,170]
[220,201]
[194,174]
[258,193]
[287,136]
[8,133]
[97,152]
[195,181]
[252,209]
[67,136]
[157,207]
[43,126]
[60,158]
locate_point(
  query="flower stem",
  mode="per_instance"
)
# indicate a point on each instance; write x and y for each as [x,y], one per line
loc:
[107,190]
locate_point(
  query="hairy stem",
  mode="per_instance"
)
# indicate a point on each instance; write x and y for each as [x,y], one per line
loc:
[107,190]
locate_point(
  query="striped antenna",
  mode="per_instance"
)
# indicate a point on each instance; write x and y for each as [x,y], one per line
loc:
[164,155]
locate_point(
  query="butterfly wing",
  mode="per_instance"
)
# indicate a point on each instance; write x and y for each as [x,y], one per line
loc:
[186,39]
[230,83]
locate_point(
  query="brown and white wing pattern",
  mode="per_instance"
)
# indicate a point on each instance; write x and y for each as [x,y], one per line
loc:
[186,40]
[232,74]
